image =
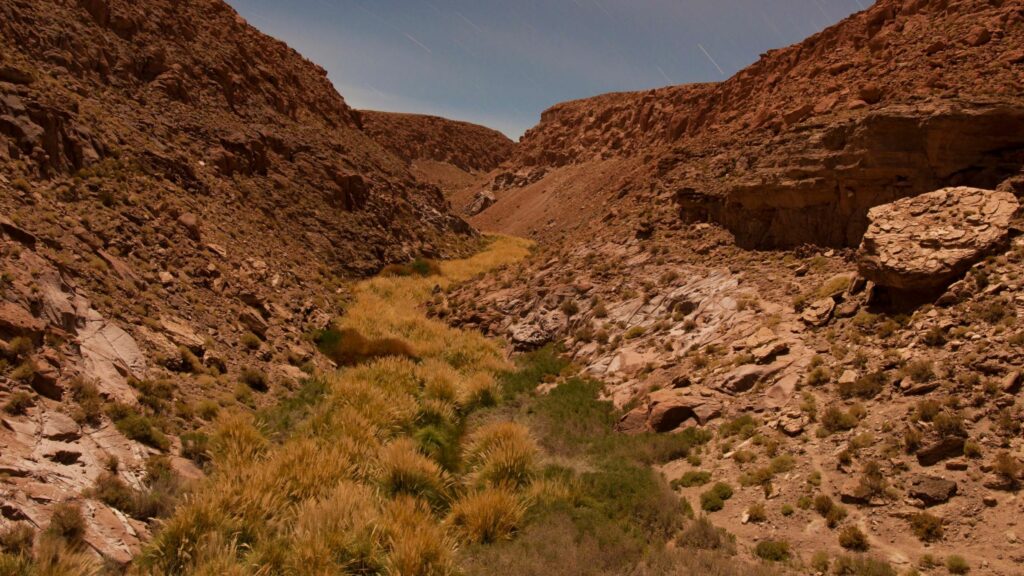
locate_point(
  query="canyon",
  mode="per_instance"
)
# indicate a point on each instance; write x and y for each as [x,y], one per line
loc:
[804,283]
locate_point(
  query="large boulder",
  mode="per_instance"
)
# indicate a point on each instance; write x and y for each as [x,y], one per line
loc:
[923,243]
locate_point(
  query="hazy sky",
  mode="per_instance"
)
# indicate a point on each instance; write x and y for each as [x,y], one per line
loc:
[502,62]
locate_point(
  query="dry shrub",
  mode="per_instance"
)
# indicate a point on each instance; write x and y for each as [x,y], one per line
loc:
[404,471]
[347,347]
[502,454]
[337,532]
[487,516]
[417,545]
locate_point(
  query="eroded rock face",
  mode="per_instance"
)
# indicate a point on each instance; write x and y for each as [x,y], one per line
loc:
[924,243]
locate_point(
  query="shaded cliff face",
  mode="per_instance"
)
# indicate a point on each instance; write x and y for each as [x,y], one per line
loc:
[182,201]
[898,100]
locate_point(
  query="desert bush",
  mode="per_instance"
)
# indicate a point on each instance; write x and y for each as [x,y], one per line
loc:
[772,550]
[703,535]
[138,427]
[714,499]
[861,565]
[926,527]
[403,470]
[853,538]
[254,379]
[756,513]
[692,478]
[18,403]
[867,386]
[1007,467]
[834,419]
[419,267]
[920,371]
[744,426]
[956,564]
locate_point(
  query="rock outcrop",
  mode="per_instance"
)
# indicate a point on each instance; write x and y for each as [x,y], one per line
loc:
[924,243]
[797,147]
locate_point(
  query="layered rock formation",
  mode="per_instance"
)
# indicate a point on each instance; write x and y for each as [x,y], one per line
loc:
[904,98]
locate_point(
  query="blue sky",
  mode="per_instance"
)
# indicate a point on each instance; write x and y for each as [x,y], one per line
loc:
[502,62]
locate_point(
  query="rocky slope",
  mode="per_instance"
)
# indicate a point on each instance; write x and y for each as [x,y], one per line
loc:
[903,98]
[863,377]
[455,156]
[181,200]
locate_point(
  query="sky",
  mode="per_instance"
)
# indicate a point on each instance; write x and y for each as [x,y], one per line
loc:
[501,63]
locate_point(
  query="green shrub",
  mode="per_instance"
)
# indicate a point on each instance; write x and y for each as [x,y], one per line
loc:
[692,478]
[861,566]
[836,420]
[743,426]
[756,513]
[138,427]
[772,550]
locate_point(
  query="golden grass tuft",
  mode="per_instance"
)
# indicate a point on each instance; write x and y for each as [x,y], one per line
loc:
[416,541]
[404,471]
[502,454]
[487,516]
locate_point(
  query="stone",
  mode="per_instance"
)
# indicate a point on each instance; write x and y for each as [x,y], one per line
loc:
[926,242]
[17,321]
[1012,382]
[940,450]
[528,336]
[931,490]
[109,355]
[15,75]
[190,222]
[482,201]
[746,377]
[848,377]
[780,393]
[978,36]
[252,320]
[180,333]
[634,421]
[769,352]
[669,409]
[870,93]
[60,427]
[853,492]
[819,313]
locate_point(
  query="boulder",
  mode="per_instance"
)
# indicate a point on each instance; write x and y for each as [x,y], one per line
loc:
[669,409]
[940,450]
[924,243]
[482,201]
[931,490]
[528,336]
[819,313]
[746,377]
